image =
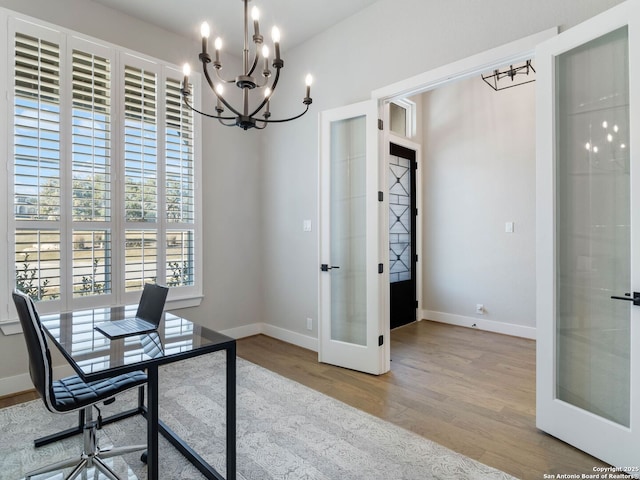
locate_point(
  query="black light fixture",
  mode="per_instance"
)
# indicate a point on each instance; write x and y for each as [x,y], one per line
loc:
[251,79]
[512,73]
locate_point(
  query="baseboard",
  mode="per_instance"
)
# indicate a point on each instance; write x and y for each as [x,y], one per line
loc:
[481,324]
[298,339]
[304,341]
[22,382]
[244,331]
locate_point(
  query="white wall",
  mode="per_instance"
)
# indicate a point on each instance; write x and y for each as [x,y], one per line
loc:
[230,183]
[479,173]
[383,44]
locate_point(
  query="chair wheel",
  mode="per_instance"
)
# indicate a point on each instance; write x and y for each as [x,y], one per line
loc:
[143,457]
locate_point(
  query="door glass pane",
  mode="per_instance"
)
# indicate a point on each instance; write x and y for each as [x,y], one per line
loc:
[348,222]
[399,219]
[593,227]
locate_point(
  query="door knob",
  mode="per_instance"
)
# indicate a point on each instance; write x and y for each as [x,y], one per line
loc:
[325,267]
[635,299]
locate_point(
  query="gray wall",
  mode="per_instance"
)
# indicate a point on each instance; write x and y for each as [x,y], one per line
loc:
[388,42]
[479,173]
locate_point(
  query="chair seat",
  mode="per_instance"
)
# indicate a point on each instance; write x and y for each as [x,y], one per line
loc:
[72,393]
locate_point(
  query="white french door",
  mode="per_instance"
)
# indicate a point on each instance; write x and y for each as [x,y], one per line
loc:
[352,330]
[588,236]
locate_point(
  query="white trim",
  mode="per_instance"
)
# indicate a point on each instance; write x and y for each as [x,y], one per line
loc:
[520,49]
[22,382]
[12,326]
[294,338]
[480,324]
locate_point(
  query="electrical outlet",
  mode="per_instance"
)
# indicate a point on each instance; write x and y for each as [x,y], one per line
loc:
[309,323]
[480,309]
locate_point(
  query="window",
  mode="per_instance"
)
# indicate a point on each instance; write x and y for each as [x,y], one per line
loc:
[402,117]
[105,157]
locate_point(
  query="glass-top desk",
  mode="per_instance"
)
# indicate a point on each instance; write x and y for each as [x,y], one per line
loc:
[94,356]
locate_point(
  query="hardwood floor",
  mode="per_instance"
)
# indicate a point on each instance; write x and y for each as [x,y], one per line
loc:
[469,390]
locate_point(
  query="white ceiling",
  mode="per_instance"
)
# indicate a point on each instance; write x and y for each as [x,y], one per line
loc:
[298,20]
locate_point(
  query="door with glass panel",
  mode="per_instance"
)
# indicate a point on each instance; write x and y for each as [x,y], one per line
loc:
[351,294]
[588,229]
[402,235]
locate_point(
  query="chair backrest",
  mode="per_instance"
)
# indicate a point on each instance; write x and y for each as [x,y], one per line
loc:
[37,346]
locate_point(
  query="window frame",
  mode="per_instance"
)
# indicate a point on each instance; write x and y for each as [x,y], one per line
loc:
[120,57]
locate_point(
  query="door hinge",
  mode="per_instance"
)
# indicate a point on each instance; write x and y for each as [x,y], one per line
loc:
[416,258]
[380,196]
[380,124]
[380,268]
[416,303]
[380,340]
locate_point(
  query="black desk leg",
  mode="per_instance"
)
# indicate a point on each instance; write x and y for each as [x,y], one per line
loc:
[152,423]
[231,412]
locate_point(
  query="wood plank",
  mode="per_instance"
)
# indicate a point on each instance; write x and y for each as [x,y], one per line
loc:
[469,390]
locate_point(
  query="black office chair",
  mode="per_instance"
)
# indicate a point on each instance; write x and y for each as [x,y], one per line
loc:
[71,394]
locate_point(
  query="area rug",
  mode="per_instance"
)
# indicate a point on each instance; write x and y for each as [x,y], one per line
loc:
[286,431]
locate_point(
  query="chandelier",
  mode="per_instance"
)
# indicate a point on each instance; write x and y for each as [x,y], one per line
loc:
[251,79]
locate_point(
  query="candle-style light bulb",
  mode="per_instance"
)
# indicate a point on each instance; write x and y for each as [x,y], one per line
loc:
[218,46]
[275,36]
[205,31]
[265,55]
[308,81]
[219,91]
[255,15]
[186,70]
[267,94]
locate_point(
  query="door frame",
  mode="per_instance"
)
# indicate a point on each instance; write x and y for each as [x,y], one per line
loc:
[389,138]
[518,50]
[513,52]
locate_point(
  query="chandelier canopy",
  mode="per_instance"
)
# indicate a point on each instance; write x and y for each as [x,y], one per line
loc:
[249,81]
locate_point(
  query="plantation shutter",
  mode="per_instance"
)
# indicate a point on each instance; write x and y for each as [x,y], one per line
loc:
[36,197]
[91,173]
[141,176]
[180,187]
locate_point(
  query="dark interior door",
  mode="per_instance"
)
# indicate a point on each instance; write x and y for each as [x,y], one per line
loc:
[402,235]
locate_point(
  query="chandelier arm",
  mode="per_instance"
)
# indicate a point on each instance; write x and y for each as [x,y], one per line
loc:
[222,79]
[232,124]
[220,97]
[255,62]
[266,99]
[282,120]
[217,69]
[186,102]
